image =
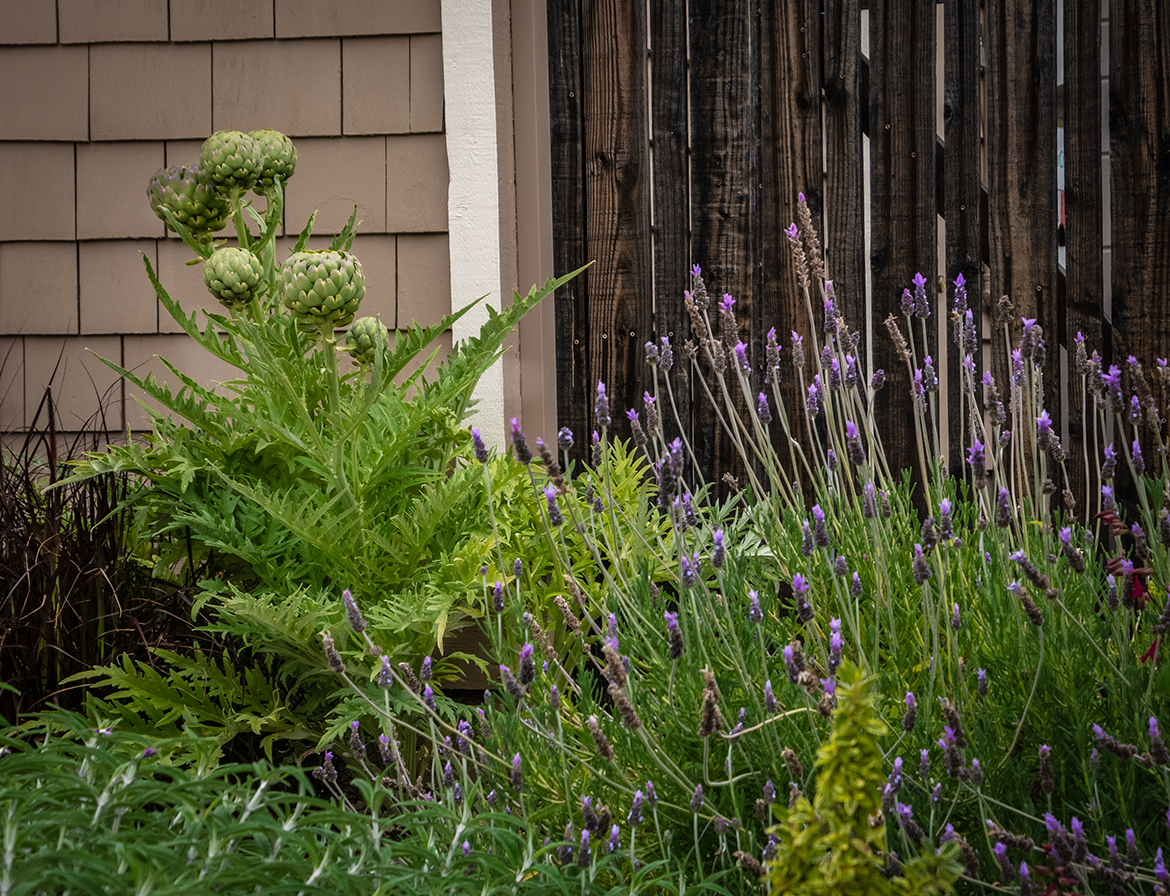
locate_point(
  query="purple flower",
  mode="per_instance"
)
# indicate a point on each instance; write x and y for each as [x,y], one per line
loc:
[718,551]
[517,778]
[741,357]
[481,452]
[356,621]
[792,232]
[770,705]
[615,838]
[635,817]
[689,579]
[799,585]
[601,406]
[555,517]
[519,444]
[697,799]
[564,438]
[755,614]
[762,410]
[498,597]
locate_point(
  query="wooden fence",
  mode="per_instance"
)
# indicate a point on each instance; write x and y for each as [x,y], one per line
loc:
[682,131]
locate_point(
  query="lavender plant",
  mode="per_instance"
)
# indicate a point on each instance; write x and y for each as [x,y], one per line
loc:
[694,665]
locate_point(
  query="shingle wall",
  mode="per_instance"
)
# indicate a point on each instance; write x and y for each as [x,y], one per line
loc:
[98,94]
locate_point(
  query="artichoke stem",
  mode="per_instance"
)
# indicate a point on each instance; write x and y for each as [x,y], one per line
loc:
[235,194]
[340,480]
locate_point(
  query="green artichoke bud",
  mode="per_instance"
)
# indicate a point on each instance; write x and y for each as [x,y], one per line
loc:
[234,276]
[278,156]
[366,338]
[189,197]
[323,288]
[231,159]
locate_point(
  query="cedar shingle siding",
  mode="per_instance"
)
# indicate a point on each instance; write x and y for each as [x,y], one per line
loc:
[98,94]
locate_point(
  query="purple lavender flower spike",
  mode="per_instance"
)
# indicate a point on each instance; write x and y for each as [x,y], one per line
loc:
[564,438]
[635,816]
[601,407]
[697,799]
[792,232]
[770,705]
[498,597]
[689,579]
[741,358]
[855,588]
[956,622]
[481,452]
[755,614]
[763,411]
[615,838]
[519,444]
[718,551]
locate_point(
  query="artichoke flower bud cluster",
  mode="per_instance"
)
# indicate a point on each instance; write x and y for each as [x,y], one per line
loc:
[234,276]
[231,159]
[191,198]
[365,338]
[322,288]
[278,158]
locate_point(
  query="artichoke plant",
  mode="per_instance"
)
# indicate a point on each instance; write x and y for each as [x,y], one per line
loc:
[231,159]
[366,338]
[234,276]
[323,288]
[189,197]
[278,157]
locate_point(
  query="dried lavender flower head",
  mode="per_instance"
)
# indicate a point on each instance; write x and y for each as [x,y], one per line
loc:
[356,621]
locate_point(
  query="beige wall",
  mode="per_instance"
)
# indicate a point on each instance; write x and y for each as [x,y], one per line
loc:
[98,94]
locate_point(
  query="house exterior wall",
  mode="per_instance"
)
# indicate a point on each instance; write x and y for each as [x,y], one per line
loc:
[101,93]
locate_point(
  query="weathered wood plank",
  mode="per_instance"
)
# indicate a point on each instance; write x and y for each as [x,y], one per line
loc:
[1021,140]
[790,163]
[1139,144]
[961,194]
[902,187]
[570,249]
[721,121]
[670,139]
[617,201]
[844,186]
[1084,282]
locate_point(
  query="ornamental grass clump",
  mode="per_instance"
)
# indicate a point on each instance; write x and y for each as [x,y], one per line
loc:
[994,628]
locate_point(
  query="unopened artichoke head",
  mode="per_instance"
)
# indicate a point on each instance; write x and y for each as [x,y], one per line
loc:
[234,276]
[231,159]
[323,288]
[278,158]
[365,338]
[185,193]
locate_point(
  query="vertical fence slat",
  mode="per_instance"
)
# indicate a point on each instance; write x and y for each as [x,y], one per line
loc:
[672,214]
[902,187]
[617,201]
[1139,142]
[570,250]
[1022,167]
[961,189]
[1084,283]
[790,162]
[844,187]
[720,184]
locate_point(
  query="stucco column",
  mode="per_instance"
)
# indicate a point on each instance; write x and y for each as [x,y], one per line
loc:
[469,91]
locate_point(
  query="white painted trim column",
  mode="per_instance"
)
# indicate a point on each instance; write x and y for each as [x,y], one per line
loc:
[473,205]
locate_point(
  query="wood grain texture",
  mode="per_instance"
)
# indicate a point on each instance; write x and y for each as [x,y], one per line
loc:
[1084,281]
[791,141]
[617,201]
[1021,135]
[844,181]
[570,248]
[670,149]
[902,187]
[721,122]
[1139,144]
[961,200]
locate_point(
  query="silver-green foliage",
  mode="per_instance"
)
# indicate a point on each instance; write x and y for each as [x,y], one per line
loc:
[297,478]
